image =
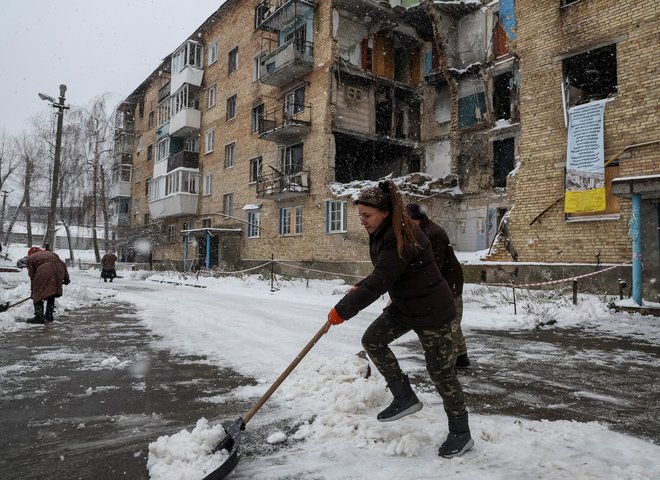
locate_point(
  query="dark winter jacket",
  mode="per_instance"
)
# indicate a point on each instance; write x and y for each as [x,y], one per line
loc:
[444,255]
[47,274]
[416,287]
[108,261]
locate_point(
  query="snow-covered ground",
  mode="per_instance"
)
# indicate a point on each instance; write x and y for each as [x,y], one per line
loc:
[322,419]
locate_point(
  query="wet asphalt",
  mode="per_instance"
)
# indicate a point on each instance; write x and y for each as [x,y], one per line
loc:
[69,411]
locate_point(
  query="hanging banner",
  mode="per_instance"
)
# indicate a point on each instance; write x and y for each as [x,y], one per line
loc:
[585,159]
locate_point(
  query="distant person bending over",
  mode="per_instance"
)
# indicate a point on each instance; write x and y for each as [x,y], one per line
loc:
[421,301]
[47,275]
[108,266]
[451,270]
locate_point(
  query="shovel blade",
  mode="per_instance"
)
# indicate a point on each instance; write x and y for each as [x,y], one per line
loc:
[231,443]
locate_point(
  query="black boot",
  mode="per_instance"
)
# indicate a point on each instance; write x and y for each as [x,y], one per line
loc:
[405,401]
[462,361]
[50,309]
[459,439]
[38,314]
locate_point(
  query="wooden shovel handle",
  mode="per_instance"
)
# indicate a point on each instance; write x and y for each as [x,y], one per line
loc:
[264,398]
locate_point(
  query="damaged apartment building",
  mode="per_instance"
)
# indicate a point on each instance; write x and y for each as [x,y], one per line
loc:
[247,142]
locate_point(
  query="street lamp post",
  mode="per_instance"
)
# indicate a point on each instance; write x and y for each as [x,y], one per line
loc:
[54,191]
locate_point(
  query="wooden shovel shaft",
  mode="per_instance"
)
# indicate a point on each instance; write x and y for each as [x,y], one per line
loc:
[264,398]
[19,302]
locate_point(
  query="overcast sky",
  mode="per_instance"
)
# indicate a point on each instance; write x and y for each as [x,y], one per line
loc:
[92,46]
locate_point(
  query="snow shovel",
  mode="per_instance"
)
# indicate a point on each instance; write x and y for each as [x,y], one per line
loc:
[232,439]
[7,306]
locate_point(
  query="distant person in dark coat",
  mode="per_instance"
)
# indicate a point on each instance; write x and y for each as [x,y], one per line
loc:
[451,270]
[421,302]
[108,262]
[47,275]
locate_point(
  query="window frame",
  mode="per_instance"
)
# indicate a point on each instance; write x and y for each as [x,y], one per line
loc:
[332,224]
[254,224]
[213,53]
[209,140]
[208,184]
[230,155]
[256,114]
[232,60]
[291,220]
[232,107]
[228,203]
[256,173]
[211,96]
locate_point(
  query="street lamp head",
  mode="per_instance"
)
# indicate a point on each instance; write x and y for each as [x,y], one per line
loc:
[47,98]
[62,90]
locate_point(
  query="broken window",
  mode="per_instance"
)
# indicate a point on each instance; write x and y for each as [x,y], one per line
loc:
[591,75]
[499,38]
[471,109]
[503,161]
[502,96]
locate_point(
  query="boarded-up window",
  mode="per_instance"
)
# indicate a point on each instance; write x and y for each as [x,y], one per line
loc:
[383,56]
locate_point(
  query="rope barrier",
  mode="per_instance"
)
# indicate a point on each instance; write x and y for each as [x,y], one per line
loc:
[555,282]
[319,271]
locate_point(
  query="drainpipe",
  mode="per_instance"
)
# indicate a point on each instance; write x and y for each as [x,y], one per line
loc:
[636,235]
[208,250]
[185,253]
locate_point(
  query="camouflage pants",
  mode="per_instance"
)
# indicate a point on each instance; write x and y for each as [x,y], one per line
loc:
[456,332]
[438,353]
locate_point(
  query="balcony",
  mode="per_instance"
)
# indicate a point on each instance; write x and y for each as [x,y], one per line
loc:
[289,61]
[123,158]
[185,122]
[119,189]
[286,124]
[276,15]
[120,220]
[123,145]
[163,92]
[174,205]
[183,159]
[279,186]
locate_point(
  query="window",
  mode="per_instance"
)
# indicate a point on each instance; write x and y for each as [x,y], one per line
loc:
[178,181]
[183,99]
[137,174]
[256,118]
[171,233]
[294,101]
[256,67]
[213,53]
[163,150]
[254,224]
[210,140]
[163,112]
[503,160]
[146,186]
[208,184]
[255,169]
[190,54]
[228,204]
[291,159]
[150,152]
[291,220]
[211,96]
[121,173]
[139,143]
[230,154]
[260,13]
[231,107]
[191,145]
[591,75]
[502,96]
[336,219]
[471,109]
[151,119]
[233,60]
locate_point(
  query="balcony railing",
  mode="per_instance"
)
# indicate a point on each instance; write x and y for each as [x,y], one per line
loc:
[286,123]
[119,189]
[278,14]
[185,122]
[184,158]
[174,205]
[289,61]
[278,186]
